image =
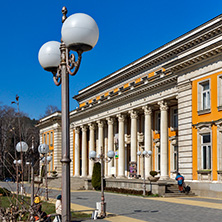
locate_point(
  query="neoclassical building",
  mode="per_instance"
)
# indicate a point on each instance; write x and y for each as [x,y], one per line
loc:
[168,102]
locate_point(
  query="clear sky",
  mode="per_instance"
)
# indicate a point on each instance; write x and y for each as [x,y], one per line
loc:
[129,29]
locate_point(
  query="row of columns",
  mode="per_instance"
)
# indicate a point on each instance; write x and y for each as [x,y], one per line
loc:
[121,141]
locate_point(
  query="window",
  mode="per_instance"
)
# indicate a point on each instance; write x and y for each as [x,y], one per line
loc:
[204,96]
[206,151]
[51,139]
[174,118]
[219,91]
[44,138]
[47,142]
[157,122]
[158,159]
[175,158]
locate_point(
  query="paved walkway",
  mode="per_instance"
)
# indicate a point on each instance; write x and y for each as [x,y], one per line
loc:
[123,208]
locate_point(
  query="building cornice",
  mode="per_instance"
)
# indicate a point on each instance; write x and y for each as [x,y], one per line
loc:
[167,52]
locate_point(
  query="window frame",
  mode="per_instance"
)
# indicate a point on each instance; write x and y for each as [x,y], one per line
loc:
[172,124]
[201,109]
[219,92]
[157,121]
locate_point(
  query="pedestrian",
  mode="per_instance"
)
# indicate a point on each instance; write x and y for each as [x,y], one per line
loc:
[180,182]
[39,215]
[58,207]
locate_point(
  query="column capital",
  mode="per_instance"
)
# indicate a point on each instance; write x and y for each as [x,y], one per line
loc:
[100,123]
[133,114]
[77,129]
[163,106]
[84,128]
[147,110]
[121,117]
[92,126]
[110,120]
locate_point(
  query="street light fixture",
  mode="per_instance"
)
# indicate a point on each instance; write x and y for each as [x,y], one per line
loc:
[101,158]
[79,33]
[44,149]
[143,155]
[21,147]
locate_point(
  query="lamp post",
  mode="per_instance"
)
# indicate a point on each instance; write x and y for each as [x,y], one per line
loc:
[22,147]
[101,158]
[143,155]
[17,163]
[44,149]
[79,33]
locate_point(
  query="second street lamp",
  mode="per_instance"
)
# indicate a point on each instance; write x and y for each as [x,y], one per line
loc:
[79,33]
[101,158]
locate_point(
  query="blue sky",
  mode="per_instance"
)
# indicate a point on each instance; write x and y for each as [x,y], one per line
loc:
[128,30]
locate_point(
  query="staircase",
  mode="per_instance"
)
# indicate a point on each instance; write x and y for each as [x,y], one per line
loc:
[173,191]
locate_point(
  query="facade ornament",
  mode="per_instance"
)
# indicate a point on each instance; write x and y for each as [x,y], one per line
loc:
[110,120]
[77,129]
[147,110]
[100,123]
[121,117]
[133,114]
[84,128]
[163,105]
[92,126]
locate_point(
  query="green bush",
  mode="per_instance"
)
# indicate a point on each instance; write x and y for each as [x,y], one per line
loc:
[153,173]
[96,176]
[5,192]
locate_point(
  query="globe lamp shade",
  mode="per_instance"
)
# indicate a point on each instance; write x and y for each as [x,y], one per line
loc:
[149,152]
[80,32]
[43,148]
[49,158]
[138,153]
[92,154]
[110,154]
[19,162]
[145,152]
[49,56]
[21,147]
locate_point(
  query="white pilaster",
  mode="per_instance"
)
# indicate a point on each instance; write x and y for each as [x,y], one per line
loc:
[84,151]
[110,122]
[133,146]
[163,140]
[147,138]
[91,146]
[77,156]
[121,162]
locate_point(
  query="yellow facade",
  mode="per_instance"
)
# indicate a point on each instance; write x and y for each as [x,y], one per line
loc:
[213,115]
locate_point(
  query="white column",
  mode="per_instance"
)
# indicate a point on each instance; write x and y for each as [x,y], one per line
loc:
[133,145]
[121,162]
[77,156]
[110,122]
[91,146]
[163,140]
[100,136]
[148,138]
[84,151]
[105,148]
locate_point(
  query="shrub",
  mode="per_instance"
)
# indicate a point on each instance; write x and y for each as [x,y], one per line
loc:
[96,176]
[5,192]
[153,173]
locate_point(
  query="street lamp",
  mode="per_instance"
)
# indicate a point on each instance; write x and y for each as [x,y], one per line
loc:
[101,158]
[79,33]
[44,149]
[21,147]
[143,155]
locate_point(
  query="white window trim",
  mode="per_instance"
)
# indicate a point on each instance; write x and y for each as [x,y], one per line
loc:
[202,129]
[172,128]
[219,92]
[219,145]
[173,143]
[199,97]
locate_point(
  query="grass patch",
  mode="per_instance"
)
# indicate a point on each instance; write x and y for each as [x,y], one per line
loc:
[49,208]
